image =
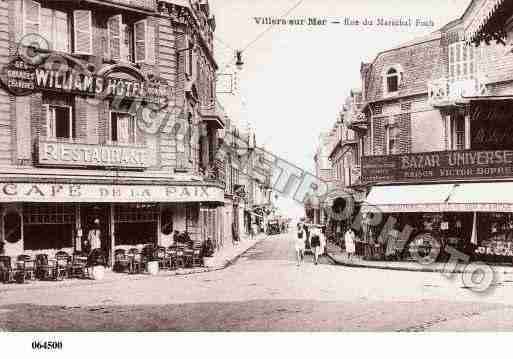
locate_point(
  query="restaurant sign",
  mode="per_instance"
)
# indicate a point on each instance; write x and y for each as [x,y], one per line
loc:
[21,78]
[80,155]
[437,166]
[51,192]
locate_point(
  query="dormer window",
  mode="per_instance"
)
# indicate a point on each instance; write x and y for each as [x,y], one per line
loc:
[392,80]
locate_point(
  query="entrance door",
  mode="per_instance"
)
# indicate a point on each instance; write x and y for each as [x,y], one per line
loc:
[101,212]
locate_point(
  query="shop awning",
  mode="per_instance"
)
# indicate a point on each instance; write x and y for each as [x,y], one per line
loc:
[483,197]
[411,198]
[464,197]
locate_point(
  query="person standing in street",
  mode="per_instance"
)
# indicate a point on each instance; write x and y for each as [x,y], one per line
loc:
[235,234]
[315,243]
[349,239]
[299,245]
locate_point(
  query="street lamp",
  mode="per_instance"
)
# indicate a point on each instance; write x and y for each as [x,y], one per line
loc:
[238,59]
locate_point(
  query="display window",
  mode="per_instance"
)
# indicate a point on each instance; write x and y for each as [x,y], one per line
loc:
[48,226]
[495,234]
[136,224]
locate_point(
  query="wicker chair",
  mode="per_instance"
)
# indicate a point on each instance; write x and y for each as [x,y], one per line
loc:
[180,257]
[8,274]
[121,261]
[171,255]
[163,258]
[136,262]
[197,257]
[188,254]
[27,267]
[63,267]
[45,268]
[78,267]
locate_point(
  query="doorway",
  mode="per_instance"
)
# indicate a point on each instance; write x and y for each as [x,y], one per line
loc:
[101,212]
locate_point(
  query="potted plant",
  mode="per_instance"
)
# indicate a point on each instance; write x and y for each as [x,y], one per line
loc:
[97,261]
[152,261]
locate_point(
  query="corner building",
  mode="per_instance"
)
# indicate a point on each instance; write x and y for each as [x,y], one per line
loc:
[435,122]
[72,147]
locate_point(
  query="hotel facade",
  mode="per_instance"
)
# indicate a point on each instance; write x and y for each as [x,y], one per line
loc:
[108,112]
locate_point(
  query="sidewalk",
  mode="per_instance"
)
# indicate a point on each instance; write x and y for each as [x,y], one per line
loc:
[340,258]
[221,259]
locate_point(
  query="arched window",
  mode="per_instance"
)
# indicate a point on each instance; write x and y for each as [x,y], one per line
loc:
[392,80]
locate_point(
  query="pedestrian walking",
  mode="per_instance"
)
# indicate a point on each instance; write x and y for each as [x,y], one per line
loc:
[235,234]
[315,243]
[299,245]
[349,240]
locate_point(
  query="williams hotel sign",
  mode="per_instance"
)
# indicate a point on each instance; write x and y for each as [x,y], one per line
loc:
[21,79]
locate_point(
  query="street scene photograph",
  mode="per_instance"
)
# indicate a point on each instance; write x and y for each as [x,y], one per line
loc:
[255,166]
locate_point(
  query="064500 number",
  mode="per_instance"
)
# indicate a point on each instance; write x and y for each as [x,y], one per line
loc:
[38,345]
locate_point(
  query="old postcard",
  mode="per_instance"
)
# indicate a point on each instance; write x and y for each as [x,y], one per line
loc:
[254,166]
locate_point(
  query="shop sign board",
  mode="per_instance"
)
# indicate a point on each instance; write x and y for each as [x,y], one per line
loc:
[21,78]
[70,193]
[438,166]
[438,207]
[90,155]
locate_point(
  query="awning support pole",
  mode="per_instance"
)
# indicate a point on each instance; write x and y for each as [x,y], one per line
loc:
[473,240]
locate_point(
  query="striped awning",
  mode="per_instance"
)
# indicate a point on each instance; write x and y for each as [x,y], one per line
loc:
[481,18]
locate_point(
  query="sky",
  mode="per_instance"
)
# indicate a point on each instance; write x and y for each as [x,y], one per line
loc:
[296,77]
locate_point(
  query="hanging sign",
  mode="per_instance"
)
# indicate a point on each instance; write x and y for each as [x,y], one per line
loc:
[18,77]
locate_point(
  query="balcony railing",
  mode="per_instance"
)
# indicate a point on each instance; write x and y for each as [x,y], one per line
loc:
[215,172]
[445,91]
[141,4]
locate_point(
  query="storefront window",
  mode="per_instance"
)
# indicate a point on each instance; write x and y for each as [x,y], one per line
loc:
[495,235]
[48,226]
[136,223]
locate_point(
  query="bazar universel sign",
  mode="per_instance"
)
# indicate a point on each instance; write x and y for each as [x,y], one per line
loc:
[22,78]
[435,166]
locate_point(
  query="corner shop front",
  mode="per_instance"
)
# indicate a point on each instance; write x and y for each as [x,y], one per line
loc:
[48,217]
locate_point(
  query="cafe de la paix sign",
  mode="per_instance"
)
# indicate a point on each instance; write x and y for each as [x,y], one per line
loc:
[82,193]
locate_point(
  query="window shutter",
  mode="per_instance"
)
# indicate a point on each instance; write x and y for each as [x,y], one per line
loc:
[31,17]
[150,58]
[140,39]
[83,29]
[50,127]
[61,41]
[115,26]
[46,26]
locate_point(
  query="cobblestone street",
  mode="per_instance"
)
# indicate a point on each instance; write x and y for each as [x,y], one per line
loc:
[263,290]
